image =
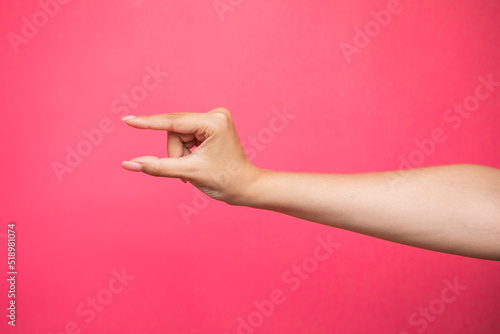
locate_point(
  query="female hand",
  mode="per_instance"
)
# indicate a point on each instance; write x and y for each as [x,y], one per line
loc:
[218,166]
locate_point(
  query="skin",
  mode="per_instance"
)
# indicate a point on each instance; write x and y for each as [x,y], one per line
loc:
[452,209]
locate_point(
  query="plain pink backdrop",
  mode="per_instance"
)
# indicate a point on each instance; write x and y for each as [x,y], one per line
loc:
[254,58]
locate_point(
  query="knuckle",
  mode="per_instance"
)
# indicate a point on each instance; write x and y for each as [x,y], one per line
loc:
[221,119]
[174,118]
[221,110]
[174,115]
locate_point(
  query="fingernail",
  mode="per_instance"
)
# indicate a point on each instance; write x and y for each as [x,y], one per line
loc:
[131,166]
[127,117]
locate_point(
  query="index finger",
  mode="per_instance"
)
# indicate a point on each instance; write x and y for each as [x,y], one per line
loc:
[177,122]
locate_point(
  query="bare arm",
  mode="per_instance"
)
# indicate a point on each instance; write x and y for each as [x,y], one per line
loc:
[453,209]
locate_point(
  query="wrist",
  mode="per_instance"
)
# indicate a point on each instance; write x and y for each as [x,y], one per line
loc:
[252,189]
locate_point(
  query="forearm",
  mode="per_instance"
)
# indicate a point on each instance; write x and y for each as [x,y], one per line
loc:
[453,209]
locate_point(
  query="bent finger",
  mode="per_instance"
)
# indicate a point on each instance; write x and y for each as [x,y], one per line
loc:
[176,145]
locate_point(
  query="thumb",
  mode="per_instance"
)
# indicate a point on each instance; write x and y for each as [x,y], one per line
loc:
[165,167]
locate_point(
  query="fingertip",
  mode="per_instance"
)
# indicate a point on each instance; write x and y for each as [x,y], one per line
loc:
[138,122]
[132,166]
[126,118]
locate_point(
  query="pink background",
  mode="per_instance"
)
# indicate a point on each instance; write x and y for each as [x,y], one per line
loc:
[350,117]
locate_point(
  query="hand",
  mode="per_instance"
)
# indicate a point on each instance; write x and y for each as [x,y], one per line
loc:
[218,166]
